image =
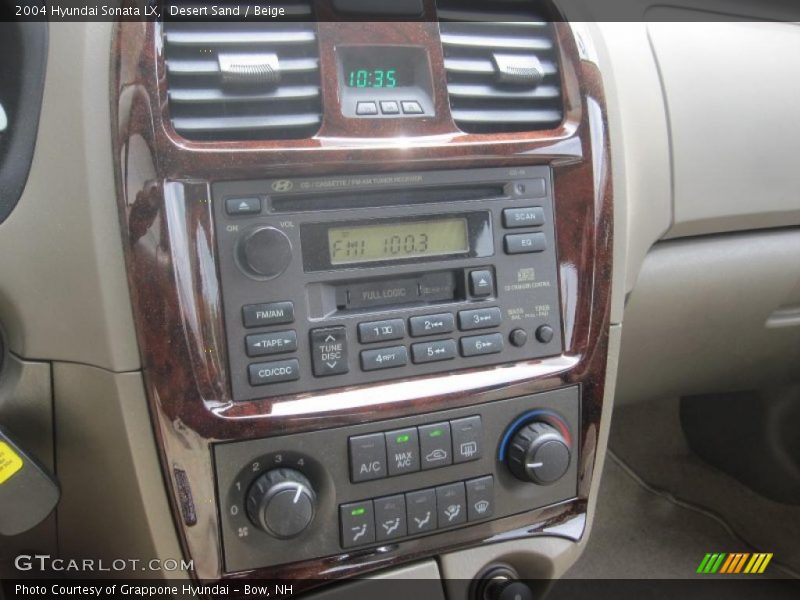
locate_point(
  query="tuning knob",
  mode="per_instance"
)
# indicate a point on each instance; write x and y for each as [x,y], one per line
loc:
[282,503]
[538,453]
[264,252]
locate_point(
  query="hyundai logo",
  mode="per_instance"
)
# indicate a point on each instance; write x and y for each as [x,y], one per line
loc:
[282,185]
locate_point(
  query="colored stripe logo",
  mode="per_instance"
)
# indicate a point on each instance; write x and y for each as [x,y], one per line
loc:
[734,563]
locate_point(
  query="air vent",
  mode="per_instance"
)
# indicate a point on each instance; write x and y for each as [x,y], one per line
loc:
[501,60]
[244,81]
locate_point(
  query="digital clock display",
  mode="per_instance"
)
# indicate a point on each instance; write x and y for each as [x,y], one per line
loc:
[397,241]
[377,68]
[371,78]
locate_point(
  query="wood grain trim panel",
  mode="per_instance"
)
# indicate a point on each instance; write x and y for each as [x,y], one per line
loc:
[164,204]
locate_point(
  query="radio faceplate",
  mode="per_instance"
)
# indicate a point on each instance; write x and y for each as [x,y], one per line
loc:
[299,320]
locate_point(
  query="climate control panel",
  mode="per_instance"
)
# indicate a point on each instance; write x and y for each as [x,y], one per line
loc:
[321,493]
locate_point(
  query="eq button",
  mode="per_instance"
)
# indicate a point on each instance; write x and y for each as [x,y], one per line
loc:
[329,351]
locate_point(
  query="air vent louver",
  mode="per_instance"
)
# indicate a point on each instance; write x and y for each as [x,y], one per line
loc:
[501,60]
[244,81]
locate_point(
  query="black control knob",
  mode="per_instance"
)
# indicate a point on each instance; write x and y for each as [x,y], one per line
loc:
[264,252]
[282,503]
[538,453]
[507,589]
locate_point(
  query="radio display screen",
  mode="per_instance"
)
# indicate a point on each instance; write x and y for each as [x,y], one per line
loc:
[398,240]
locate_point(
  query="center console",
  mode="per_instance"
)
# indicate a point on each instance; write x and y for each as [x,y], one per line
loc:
[377,341]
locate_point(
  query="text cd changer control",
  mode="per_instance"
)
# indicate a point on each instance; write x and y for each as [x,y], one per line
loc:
[353,287]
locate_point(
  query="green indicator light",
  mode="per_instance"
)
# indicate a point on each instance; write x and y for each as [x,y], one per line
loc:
[402,439]
[436,433]
[357,512]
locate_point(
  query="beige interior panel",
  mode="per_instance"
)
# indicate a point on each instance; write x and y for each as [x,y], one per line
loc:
[734,121]
[639,136]
[114,504]
[698,320]
[63,287]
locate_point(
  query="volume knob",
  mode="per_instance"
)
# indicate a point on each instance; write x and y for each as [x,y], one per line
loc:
[538,453]
[282,503]
[264,252]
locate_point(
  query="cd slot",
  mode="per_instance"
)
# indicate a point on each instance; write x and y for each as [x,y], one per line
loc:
[337,200]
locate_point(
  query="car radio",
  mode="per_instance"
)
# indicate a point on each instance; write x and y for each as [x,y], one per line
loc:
[338,281]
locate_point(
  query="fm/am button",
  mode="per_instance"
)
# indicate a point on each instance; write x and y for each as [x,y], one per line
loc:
[329,351]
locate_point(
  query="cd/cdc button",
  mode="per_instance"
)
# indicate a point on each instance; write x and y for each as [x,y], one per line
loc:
[274,372]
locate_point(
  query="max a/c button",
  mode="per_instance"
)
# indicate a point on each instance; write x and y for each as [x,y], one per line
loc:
[274,372]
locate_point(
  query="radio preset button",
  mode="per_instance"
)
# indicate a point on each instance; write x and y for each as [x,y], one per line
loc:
[274,372]
[264,344]
[264,315]
[467,439]
[381,331]
[402,451]
[525,243]
[481,283]
[367,457]
[479,345]
[426,352]
[243,206]
[384,358]
[329,351]
[530,216]
[357,523]
[432,324]
[435,446]
[481,318]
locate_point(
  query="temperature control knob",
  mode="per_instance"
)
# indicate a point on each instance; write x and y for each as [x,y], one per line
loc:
[538,453]
[282,503]
[264,252]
